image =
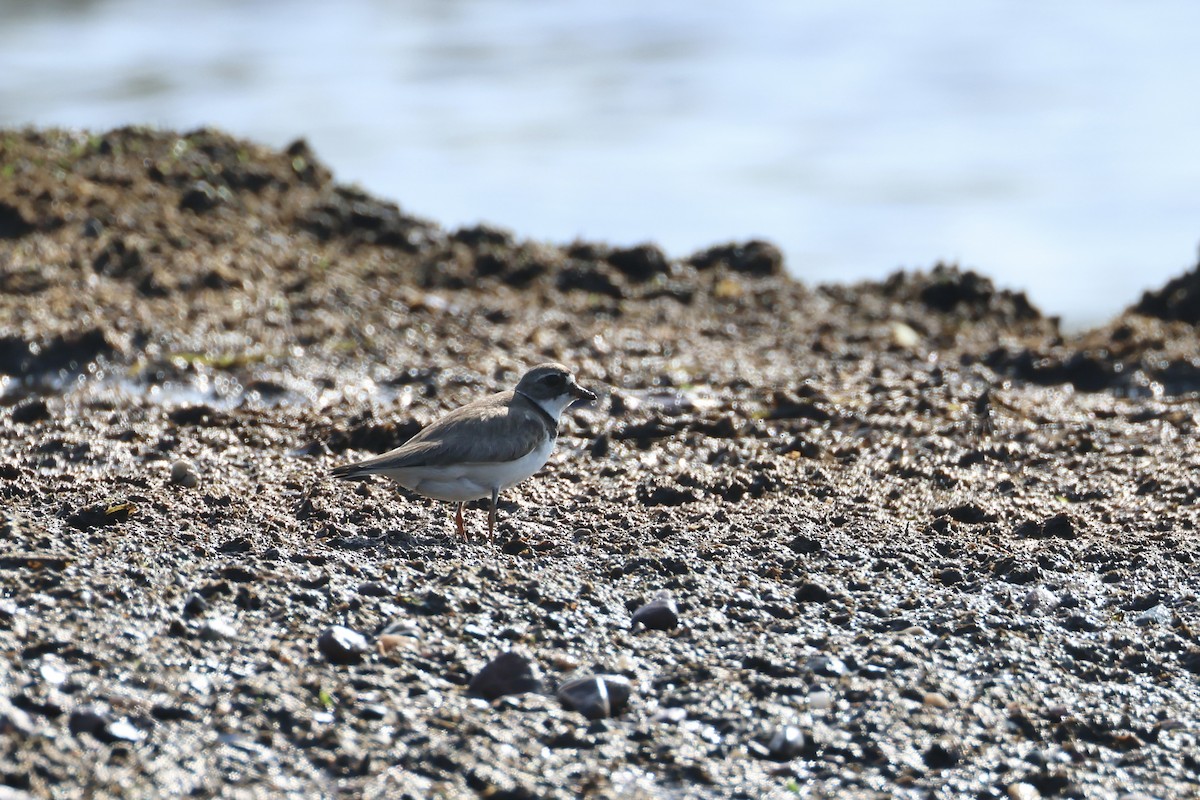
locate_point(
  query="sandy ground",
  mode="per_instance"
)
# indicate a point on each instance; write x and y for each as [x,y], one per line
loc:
[899,539]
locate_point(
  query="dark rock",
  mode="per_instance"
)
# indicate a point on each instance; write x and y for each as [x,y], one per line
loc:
[70,351]
[30,410]
[1178,300]
[1059,526]
[87,720]
[663,494]
[589,279]
[640,263]
[101,515]
[13,224]
[660,614]
[507,673]
[100,725]
[483,236]
[375,589]
[1082,622]
[951,576]
[805,544]
[968,513]
[195,605]
[199,197]
[809,592]
[341,645]
[941,755]
[645,432]
[596,696]
[754,257]
[353,215]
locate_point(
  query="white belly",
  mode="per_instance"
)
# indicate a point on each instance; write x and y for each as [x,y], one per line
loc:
[461,482]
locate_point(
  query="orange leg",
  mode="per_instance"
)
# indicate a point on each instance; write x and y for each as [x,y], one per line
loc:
[458,521]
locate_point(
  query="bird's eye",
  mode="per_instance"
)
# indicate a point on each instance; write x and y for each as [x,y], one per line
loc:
[554,381]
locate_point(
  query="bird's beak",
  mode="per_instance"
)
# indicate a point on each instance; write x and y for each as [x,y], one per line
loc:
[581,394]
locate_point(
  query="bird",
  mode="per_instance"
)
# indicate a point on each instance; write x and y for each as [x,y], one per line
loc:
[484,447]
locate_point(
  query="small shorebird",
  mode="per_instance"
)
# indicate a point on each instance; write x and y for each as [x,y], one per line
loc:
[484,447]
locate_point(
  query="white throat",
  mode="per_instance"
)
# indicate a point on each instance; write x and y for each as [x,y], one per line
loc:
[555,406]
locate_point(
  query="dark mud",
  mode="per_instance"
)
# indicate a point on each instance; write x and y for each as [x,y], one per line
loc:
[894,539]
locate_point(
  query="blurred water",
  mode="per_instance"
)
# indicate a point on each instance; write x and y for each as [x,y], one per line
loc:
[1051,146]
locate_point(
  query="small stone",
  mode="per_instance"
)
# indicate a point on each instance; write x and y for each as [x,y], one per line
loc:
[53,674]
[87,720]
[812,593]
[195,605]
[218,628]
[936,700]
[785,743]
[1038,598]
[673,715]
[904,336]
[122,730]
[14,720]
[596,696]
[1023,791]
[1082,622]
[951,576]
[827,666]
[507,673]
[387,642]
[374,589]
[820,700]
[33,409]
[341,645]
[660,614]
[184,474]
[1156,615]
[941,756]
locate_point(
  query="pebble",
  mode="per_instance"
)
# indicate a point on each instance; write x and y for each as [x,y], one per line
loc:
[195,605]
[827,666]
[507,673]
[124,731]
[785,743]
[596,696]
[53,674]
[673,715]
[941,755]
[1082,622]
[1157,615]
[184,474]
[820,700]
[936,700]
[218,628]
[98,724]
[812,593]
[1023,791]
[341,645]
[1038,598]
[660,614]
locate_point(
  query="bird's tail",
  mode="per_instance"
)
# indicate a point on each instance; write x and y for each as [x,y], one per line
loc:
[349,471]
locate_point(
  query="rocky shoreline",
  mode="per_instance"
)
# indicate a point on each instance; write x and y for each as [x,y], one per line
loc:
[902,538]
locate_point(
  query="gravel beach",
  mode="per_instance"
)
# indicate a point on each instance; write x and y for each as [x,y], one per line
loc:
[894,539]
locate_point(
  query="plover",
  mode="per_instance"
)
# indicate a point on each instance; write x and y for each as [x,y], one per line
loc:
[484,447]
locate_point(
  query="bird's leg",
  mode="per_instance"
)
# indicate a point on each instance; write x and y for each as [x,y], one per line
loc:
[458,520]
[492,513]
